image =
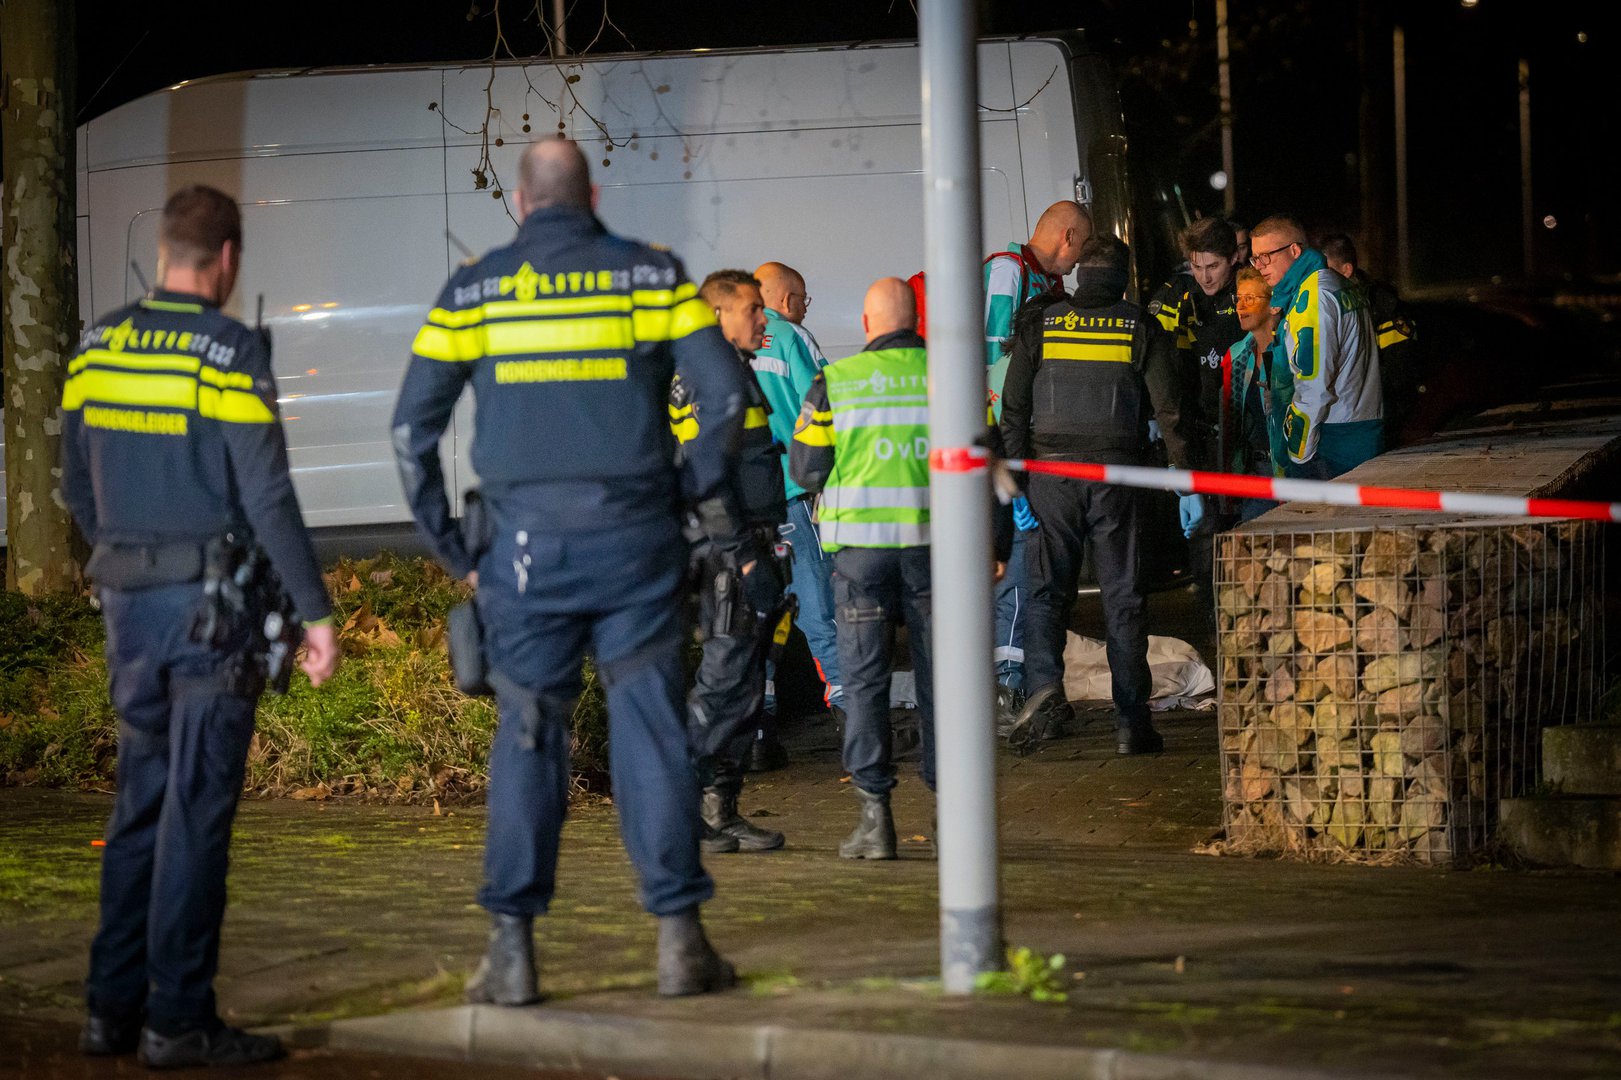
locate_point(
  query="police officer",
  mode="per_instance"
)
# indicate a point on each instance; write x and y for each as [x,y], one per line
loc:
[174,461]
[744,614]
[863,441]
[570,337]
[1198,310]
[1083,374]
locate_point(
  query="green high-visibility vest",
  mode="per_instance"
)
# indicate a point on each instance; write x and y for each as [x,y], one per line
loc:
[878,493]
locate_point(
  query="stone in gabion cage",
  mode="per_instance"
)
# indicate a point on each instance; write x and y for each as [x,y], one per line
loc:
[1382,688]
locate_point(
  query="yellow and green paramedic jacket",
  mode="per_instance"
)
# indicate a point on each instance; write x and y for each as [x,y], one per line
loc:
[863,441]
[171,434]
[570,337]
[1328,338]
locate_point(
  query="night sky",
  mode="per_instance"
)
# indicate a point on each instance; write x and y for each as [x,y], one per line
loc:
[1299,85]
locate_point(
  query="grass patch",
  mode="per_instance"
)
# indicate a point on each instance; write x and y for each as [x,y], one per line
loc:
[389,726]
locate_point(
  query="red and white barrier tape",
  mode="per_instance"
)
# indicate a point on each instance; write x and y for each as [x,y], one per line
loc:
[1332,493]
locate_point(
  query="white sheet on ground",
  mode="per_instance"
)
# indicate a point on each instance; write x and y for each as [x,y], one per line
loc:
[1181,679]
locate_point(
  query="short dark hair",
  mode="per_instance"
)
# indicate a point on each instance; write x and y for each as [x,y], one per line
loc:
[1338,248]
[197,223]
[723,285]
[1211,236]
[1104,251]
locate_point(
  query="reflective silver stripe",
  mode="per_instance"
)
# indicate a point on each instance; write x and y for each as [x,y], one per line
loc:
[891,416]
[874,534]
[874,498]
[882,401]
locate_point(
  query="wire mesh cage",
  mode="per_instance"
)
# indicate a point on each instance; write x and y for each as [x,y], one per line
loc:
[1383,687]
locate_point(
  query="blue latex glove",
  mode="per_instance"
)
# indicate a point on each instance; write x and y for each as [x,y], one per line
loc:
[1190,509]
[1023,516]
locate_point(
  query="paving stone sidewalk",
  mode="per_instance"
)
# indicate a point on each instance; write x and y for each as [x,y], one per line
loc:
[345,910]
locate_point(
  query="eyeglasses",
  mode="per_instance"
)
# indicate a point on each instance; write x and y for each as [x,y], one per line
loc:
[1251,301]
[1261,258]
[803,298]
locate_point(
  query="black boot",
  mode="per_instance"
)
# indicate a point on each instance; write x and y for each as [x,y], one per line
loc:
[1138,738]
[106,1036]
[688,964]
[215,1045]
[874,835]
[506,975]
[721,820]
[766,753]
[1046,715]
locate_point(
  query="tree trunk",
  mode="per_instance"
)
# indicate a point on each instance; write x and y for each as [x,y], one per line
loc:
[1377,138]
[39,285]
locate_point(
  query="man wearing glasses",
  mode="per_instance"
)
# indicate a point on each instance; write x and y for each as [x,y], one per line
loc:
[785,365]
[1335,420]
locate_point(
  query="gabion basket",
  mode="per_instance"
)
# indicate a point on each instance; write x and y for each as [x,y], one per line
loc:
[1383,687]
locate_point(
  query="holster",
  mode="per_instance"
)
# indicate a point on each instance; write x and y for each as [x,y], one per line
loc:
[248,613]
[464,630]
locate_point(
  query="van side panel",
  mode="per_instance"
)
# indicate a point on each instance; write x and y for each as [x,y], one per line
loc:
[343,238]
[359,193]
[1048,143]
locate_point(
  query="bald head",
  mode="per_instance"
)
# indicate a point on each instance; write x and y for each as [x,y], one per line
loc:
[890,306]
[783,290]
[1062,229]
[553,172]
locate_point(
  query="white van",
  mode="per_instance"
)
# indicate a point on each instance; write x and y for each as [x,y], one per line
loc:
[362,188]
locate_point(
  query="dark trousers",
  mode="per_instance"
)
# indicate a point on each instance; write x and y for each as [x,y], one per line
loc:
[874,590]
[1070,511]
[546,599]
[724,708]
[182,747]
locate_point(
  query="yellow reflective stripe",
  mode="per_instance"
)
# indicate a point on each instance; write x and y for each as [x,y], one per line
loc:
[560,305]
[1089,335]
[170,305]
[689,316]
[822,417]
[814,434]
[216,377]
[117,388]
[137,361]
[233,406]
[754,418]
[1120,354]
[438,343]
[685,431]
[455,320]
[1391,336]
[785,626]
[650,325]
[555,335]
[1168,318]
